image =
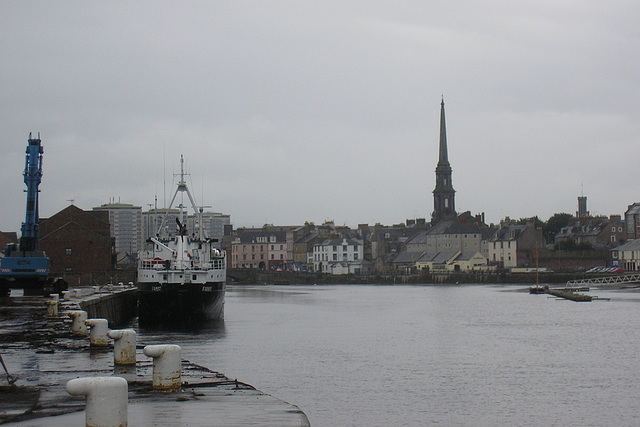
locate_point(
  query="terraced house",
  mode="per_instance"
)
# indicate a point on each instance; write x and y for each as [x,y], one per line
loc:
[340,256]
[262,249]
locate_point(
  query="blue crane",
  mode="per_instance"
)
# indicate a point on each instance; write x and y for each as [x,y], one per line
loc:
[24,265]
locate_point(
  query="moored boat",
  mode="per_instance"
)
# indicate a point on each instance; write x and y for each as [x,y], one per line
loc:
[181,280]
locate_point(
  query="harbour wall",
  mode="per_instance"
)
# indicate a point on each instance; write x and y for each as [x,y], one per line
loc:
[254,276]
[117,307]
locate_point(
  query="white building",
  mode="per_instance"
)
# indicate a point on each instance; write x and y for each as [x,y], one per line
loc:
[627,256]
[338,256]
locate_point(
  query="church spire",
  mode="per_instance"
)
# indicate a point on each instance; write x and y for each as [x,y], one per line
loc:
[444,157]
[444,194]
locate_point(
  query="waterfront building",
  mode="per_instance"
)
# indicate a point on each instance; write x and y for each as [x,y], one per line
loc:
[627,256]
[338,256]
[126,227]
[465,233]
[263,249]
[78,243]
[453,262]
[595,232]
[515,245]
[632,221]
[444,206]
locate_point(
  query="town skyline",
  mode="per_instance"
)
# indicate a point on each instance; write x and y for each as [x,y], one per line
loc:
[288,113]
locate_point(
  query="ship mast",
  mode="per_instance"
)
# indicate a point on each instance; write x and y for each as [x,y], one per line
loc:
[183,188]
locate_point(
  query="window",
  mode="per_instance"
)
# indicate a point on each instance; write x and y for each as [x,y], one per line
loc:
[67,251]
[68,269]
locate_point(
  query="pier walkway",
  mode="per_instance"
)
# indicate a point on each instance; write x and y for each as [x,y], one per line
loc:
[607,280]
[41,355]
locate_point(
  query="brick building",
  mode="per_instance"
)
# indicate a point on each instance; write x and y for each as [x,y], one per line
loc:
[77,242]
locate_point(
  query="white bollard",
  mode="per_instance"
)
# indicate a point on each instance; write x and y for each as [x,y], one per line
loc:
[77,293]
[54,297]
[78,325]
[52,309]
[124,346]
[167,367]
[66,295]
[96,289]
[106,400]
[98,332]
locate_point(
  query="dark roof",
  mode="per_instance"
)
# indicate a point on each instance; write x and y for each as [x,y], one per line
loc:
[455,227]
[510,232]
[407,257]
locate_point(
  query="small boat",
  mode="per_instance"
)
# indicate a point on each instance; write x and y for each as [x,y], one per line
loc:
[181,280]
[537,289]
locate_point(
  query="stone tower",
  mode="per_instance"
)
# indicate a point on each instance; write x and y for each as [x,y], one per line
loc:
[444,206]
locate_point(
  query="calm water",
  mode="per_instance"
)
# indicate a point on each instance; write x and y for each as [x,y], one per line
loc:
[430,355]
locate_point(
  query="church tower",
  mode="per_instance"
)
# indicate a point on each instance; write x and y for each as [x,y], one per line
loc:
[444,206]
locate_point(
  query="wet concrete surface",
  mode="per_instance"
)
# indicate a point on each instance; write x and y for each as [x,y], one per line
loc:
[41,356]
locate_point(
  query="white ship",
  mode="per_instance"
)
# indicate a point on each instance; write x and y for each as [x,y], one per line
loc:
[181,280]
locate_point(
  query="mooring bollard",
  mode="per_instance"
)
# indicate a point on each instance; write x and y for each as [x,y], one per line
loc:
[78,325]
[52,309]
[54,297]
[66,295]
[106,399]
[98,332]
[77,293]
[167,366]
[124,346]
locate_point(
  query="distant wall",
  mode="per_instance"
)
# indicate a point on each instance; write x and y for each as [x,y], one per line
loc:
[568,261]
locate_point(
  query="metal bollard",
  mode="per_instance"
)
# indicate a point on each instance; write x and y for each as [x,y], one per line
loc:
[66,295]
[77,293]
[167,367]
[78,325]
[98,332]
[106,399]
[124,346]
[96,289]
[52,309]
[54,297]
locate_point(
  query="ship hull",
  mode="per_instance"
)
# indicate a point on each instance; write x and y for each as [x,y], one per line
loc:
[175,304]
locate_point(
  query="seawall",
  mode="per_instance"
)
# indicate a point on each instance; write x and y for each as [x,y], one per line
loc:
[117,307]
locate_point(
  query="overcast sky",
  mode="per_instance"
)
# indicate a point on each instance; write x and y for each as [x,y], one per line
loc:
[289,112]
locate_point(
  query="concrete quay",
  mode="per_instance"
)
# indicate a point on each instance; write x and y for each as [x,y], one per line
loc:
[41,355]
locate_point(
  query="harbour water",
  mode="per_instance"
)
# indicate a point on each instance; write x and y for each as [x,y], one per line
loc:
[429,355]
